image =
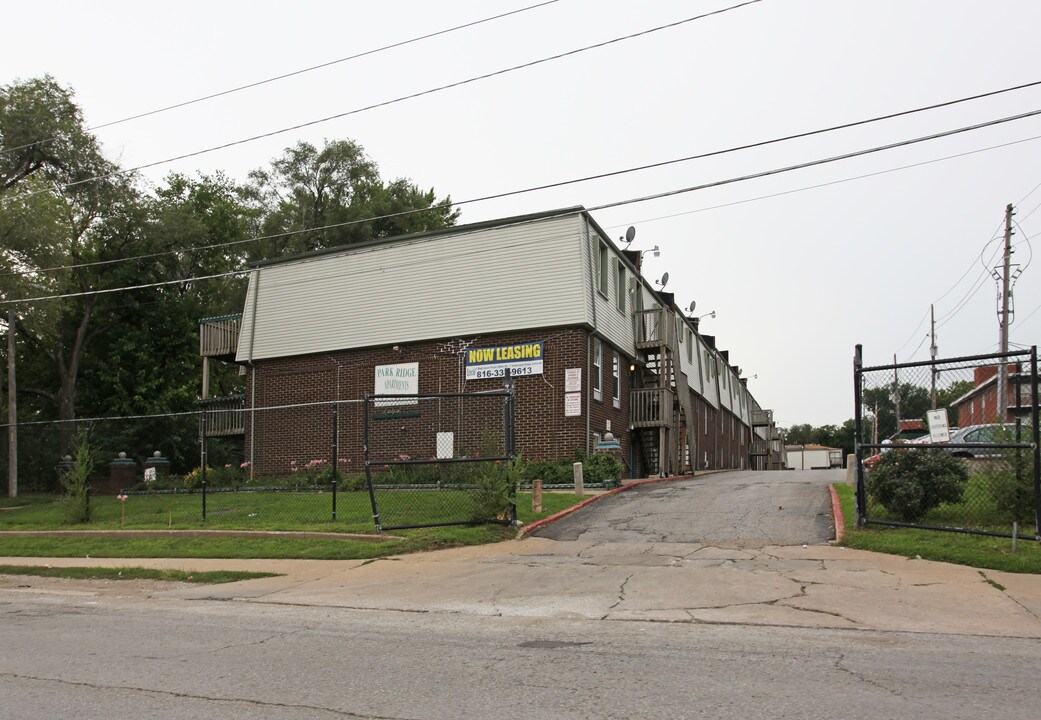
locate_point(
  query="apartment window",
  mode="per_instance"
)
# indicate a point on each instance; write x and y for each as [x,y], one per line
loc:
[690,346]
[616,369]
[604,269]
[619,286]
[598,364]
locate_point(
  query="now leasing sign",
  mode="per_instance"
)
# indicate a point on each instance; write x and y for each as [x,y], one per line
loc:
[492,362]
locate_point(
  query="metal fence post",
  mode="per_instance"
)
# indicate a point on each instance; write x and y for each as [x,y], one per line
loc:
[509,440]
[368,467]
[336,454]
[860,494]
[1035,432]
[205,461]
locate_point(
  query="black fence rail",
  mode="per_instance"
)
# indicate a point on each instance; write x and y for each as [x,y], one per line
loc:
[950,444]
[441,459]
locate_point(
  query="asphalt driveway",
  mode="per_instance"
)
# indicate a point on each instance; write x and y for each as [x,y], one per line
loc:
[746,509]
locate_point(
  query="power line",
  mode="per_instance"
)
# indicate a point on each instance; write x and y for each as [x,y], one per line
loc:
[293,73]
[630,201]
[521,191]
[823,161]
[412,96]
[824,184]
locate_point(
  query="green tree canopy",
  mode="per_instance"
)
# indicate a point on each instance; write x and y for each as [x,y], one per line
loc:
[339,186]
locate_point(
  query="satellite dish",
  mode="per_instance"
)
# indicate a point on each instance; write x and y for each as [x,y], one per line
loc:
[630,234]
[693,304]
[664,280]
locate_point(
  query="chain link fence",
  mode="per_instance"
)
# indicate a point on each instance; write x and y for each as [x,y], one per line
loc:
[432,460]
[950,444]
[440,459]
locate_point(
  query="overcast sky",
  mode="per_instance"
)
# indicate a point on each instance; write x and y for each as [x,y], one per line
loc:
[796,279]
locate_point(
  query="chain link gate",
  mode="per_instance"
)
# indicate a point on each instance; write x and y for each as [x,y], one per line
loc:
[984,479]
[440,459]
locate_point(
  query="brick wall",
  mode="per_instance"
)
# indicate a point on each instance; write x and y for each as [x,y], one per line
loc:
[280,439]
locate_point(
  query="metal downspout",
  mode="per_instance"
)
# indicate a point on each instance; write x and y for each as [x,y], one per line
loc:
[253,376]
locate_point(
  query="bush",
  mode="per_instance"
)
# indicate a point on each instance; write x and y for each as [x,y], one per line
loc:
[602,467]
[910,483]
[496,489]
[76,483]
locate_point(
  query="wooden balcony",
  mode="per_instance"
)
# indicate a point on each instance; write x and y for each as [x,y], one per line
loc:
[650,407]
[762,418]
[650,327]
[219,336]
[224,416]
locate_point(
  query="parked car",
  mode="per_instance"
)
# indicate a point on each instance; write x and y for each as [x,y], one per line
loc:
[870,462]
[984,435]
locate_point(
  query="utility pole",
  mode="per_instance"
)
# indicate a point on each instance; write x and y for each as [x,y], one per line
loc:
[1003,324]
[932,354]
[12,413]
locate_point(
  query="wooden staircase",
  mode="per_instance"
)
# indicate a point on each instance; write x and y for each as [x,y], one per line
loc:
[661,406]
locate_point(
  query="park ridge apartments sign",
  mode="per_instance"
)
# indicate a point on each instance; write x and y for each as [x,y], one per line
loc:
[492,362]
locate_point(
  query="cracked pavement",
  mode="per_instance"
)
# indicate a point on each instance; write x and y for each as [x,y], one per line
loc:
[651,554]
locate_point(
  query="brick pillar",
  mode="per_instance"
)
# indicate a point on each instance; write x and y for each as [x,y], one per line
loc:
[161,465]
[122,475]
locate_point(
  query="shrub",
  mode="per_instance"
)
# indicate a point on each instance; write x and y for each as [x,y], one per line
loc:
[496,488]
[76,483]
[910,483]
[602,467]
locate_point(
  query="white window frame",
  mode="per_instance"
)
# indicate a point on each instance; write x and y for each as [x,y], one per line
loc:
[596,377]
[617,370]
[620,281]
[603,269]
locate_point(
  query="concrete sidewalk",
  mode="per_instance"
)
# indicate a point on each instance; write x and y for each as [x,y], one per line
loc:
[820,586]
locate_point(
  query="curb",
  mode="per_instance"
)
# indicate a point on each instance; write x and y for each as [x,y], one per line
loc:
[836,511]
[575,508]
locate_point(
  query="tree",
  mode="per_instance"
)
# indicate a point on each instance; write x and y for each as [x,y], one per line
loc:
[158,327]
[338,186]
[914,402]
[42,132]
[67,219]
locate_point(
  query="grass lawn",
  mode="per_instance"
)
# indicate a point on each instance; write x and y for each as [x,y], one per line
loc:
[979,551]
[273,511]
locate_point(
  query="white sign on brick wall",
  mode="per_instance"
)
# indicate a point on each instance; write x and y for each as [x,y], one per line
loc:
[399,379]
[572,404]
[572,379]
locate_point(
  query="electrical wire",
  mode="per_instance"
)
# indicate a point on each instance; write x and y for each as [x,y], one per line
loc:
[293,73]
[824,184]
[713,153]
[822,161]
[1031,212]
[403,98]
[645,198]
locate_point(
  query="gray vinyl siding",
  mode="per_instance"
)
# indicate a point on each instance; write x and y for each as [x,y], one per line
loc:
[691,367]
[613,324]
[712,386]
[482,281]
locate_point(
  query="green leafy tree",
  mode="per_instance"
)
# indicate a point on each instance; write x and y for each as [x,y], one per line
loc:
[336,185]
[914,402]
[55,214]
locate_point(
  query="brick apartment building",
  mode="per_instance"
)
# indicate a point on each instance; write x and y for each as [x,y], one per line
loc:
[981,404]
[594,348]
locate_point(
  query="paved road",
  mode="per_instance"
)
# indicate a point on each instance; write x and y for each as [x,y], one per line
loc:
[74,652]
[736,509]
[614,624]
